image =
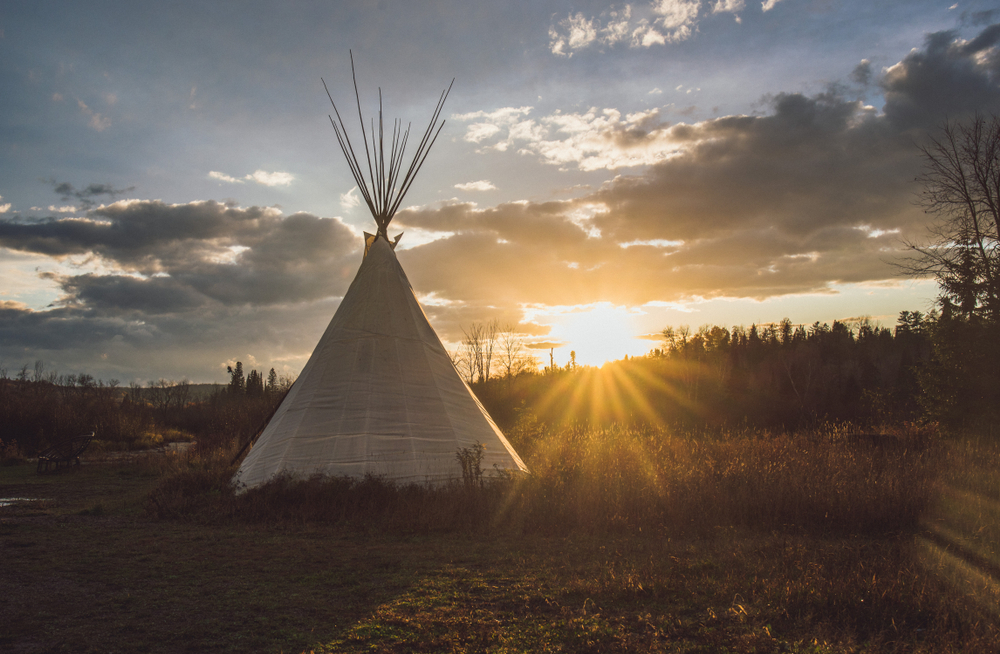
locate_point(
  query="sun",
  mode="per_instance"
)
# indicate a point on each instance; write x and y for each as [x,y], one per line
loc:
[597,333]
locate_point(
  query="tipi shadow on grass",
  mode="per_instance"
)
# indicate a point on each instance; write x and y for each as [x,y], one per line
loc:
[380,394]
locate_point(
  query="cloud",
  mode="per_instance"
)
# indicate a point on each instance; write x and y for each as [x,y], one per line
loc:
[169,287]
[817,190]
[271,179]
[862,73]
[182,284]
[87,197]
[617,27]
[677,17]
[768,5]
[572,33]
[481,185]
[489,124]
[478,132]
[4,208]
[979,18]
[590,140]
[641,26]
[728,6]
[260,176]
[223,177]
[950,77]
[350,199]
[219,253]
[576,31]
[812,191]
[97,122]
[113,345]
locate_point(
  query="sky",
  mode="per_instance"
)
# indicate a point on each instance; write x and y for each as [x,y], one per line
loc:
[173,198]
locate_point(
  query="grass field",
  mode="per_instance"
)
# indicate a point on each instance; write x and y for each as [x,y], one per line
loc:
[87,566]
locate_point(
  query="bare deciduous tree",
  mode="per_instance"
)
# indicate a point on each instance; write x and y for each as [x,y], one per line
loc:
[165,395]
[463,363]
[512,355]
[961,188]
[676,338]
[478,349]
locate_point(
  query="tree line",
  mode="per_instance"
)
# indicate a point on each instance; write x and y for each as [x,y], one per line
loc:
[776,374]
[944,366]
[39,408]
[961,191]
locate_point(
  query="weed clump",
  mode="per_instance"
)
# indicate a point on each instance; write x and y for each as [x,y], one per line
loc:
[11,453]
[194,485]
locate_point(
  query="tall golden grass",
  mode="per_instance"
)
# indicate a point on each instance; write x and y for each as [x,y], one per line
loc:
[615,479]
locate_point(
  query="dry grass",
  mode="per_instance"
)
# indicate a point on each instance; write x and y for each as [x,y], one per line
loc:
[617,480]
[825,481]
[343,566]
[959,540]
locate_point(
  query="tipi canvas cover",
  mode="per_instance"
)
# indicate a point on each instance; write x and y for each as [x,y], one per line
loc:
[380,395]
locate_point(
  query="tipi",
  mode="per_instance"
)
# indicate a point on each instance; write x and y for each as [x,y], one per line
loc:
[380,394]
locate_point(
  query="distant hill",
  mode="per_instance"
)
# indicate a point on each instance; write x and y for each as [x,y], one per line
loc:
[205,391]
[196,392]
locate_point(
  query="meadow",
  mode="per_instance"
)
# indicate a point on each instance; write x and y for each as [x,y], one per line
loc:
[623,538]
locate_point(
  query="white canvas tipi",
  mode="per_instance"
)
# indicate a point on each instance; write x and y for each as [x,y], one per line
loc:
[380,394]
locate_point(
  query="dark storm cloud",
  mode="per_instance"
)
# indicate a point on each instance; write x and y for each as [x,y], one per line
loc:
[194,285]
[67,328]
[110,344]
[117,293]
[144,236]
[986,39]
[184,256]
[980,18]
[814,191]
[789,169]
[85,197]
[190,287]
[949,78]
[862,73]
[818,190]
[759,203]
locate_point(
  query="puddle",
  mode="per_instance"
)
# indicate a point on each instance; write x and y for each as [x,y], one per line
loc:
[11,501]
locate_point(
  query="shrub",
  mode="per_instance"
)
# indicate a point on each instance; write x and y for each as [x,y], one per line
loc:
[11,454]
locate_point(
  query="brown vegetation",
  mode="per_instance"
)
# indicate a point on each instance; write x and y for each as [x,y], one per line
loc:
[600,481]
[621,540]
[778,376]
[37,412]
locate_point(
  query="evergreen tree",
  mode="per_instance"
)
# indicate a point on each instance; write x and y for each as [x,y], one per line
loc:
[237,383]
[255,384]
[961,188]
